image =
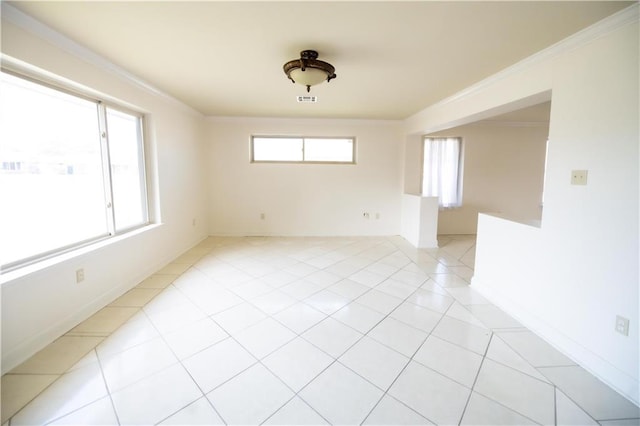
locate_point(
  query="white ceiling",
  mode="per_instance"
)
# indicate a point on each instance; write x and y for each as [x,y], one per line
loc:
[392,58]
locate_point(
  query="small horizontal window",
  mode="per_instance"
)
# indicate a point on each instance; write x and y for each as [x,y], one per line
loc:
[302,150]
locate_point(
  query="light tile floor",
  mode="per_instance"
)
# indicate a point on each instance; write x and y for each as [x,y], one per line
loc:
[307,331]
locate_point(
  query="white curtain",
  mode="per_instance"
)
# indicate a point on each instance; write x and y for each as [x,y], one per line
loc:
[441,171]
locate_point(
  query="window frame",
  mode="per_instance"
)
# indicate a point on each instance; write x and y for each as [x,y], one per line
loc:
[303,161]
[70,88]
[142,160]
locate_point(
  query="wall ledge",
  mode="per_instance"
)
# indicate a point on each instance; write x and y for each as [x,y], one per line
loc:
[41,266]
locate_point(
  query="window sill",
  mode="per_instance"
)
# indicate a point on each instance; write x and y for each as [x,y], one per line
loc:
[44,264]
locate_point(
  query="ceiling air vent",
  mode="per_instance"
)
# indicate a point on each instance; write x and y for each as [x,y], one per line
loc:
[307,99]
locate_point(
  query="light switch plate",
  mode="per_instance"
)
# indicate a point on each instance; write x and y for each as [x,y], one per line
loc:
[578,177]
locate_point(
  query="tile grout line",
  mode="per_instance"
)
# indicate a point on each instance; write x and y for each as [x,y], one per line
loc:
[71,334]
[475,380]
[139,309]
[204,395]
[106,385]
[35,396]
[488,397]
[299,335]
[49,421]
[259,360]
[493,333]
[367,291]
[179,361]
[405,367]
[555,400]
[326,288]
[555,405]
[328,316]
[336,360]
[253,257]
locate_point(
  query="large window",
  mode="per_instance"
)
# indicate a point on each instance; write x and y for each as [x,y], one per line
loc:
[302,149]
[71,171]
[442,172]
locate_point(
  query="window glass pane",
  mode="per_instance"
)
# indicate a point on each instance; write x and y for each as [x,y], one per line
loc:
[277,149]
[339,150]
[125,155]
[51,182]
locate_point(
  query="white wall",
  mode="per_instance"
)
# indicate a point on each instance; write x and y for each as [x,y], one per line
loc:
[39,306]
[304,199]
[420,220]
[569,279]
[412,170]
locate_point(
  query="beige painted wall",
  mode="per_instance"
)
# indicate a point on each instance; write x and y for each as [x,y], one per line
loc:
[503,173]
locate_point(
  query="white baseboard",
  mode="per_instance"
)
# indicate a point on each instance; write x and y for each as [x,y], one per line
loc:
[428,244]
[15,356]
[621,382]
[20,353]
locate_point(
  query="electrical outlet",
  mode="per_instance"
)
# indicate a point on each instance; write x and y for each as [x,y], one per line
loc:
[79,275]
[193,222]
[262,216]
[579,177]
[622,325]
[377,216]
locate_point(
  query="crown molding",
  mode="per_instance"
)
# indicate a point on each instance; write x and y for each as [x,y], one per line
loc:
[504,123]
[28,23]
[301,120]
[600,29]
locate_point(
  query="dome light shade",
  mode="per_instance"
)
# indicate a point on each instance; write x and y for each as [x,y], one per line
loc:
[308,70]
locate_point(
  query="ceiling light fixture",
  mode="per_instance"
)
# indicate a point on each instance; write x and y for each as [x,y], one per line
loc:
[308,70]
